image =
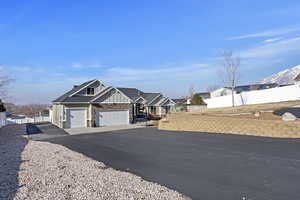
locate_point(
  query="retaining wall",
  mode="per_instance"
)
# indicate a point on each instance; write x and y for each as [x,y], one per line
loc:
[212,124]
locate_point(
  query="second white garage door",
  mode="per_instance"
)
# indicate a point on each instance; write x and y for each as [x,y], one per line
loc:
[112,117]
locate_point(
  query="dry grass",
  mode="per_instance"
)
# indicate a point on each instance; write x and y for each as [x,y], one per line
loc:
[250,108]
[237,120]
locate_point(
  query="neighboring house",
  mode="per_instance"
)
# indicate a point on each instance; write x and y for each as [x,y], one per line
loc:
[246,88]
[180,104]
[93,104]
[242,88]
[220,92]
[297,79]
[181,101]
[204,95]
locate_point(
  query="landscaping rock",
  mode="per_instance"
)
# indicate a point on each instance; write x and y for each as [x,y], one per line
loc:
[32,170]
[288,117]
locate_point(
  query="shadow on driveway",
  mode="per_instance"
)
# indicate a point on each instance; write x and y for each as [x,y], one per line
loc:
[12,145]
[44,131]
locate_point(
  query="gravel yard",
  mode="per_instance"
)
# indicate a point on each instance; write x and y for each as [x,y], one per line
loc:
[41,170]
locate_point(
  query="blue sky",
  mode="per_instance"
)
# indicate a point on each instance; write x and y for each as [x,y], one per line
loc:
[167,46]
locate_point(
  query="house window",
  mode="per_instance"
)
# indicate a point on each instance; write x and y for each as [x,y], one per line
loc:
[90,91]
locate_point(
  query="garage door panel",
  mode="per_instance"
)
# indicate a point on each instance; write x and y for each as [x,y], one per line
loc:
[76,118]
[112,117]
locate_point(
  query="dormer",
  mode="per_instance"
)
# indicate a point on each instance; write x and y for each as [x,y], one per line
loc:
[91,89]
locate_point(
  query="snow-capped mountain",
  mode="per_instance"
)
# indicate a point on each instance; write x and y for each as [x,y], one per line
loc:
[284,77]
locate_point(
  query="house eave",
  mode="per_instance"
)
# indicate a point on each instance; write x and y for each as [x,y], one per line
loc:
[70,102]
[154,98]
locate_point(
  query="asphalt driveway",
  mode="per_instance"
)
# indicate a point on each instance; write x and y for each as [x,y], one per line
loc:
[200,165]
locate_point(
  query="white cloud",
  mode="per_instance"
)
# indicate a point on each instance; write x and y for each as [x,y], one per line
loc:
[269,33]
[272,40]
[13,69]
[84,66]
[273,49]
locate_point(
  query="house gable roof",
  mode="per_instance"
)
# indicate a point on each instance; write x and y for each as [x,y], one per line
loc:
[150,96]
[65,97]
[133,93]
[168,102]
[105,95]
[204,95]
[157,100]
[179,101]
[83,87]
[102,93]
[140,100]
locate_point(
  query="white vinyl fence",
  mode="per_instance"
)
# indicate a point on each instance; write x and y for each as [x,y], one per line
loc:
[28,120]
[2,119]
[286,93]
[191,108]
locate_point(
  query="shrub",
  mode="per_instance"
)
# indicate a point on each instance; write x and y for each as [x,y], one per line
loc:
[197,100]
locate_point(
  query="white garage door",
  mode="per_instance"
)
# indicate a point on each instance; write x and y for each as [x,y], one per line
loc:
[76,118]
[112,117]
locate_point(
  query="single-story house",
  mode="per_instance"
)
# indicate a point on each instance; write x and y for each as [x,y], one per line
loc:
[204,95]
[93,104]
[220,92]
[181,101]
[246,88]
[180,104]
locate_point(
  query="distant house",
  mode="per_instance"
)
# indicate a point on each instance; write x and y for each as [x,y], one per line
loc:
[181,101]
[242,88]
[297,79]
[246,88]
[180,104]
[204,95]
[220,92]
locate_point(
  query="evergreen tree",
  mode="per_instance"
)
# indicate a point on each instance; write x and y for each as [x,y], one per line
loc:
[197,100]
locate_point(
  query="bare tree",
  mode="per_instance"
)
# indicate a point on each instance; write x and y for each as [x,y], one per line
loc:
[230,73]
[30,110]
[4,82]
[191,91]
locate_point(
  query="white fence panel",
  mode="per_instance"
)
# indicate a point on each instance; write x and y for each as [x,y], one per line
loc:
[28,120]
[2,119]
[287,93]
